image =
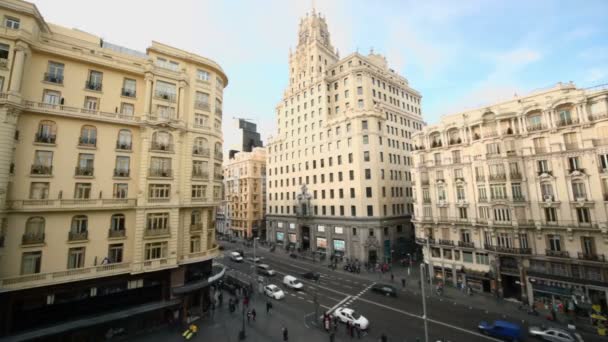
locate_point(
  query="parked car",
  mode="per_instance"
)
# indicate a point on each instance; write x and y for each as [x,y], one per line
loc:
[555,334]
[311,275]
[292,282]
[240,251]
[387,290]
[274,291]
[236,257]
[350,315]
[254,260]
[502,329]
[264,269]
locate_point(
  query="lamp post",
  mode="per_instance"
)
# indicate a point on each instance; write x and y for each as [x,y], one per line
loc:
[424,317]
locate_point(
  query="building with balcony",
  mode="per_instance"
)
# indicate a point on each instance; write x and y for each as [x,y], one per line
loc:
[338,167]
[245,193]
[512,198]
[106,204]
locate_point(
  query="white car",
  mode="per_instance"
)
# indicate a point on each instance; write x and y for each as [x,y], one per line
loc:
[350,315]
[555,334]
[274,291]
[254,260]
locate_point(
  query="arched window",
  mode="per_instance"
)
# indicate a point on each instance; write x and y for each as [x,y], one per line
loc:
[124,140]
[35,227]
[162,141]
[88,136]
[200,147]
[80,224]
[117,223]
[47,132]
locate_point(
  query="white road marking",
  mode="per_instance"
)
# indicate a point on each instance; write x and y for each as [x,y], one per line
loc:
[338,305]
[430,320]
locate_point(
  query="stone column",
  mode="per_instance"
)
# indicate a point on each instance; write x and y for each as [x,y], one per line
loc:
[148,94]
[582,112]
[17,71]
[181,109]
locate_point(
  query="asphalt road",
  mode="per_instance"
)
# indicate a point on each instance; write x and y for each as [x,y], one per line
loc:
[399,318]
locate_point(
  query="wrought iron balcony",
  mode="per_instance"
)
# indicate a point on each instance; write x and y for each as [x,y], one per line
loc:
[566,122]
[201,151]
[85,141]
[559,254]
[508,250]
[128,92]
[78,236]
[45,138]
[53,78]
[121,145]
[515,175]
[156,232]
[157,172]
[219,155]
[202,105]
[591,257]
[200,174]
[41,169]
[498,177]
[84,171]
[196,227]
[466,244]
[161,146]
[93,85]
[536,127]
[218,176]
[32,239]
[446,242]
[113,233]
[165,96]
[121,172]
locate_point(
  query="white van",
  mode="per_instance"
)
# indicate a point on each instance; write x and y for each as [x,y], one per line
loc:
[235,256]
[292,282]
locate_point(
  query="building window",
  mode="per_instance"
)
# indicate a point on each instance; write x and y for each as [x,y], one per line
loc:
[462,212]
[86,163]
[370,210]
[202,75]
[482,258]
[157,221]
[54,73]
[365,140]
[51,97]
[122,166]
[368,192]
[160,167]
[43,163]
[118,223]
[156,250]
[165,91]
[76,257]
[30,262]
[353,210]
[551,214]
[578,190]
[199,191]
[39,190]
[554,242]
[502,214]
[366,156]
[121,190]
[127,109]
[12,23]
[583,215]
[88,136]
[588,245]
[115,252]
[94,82]
[159,191]
[82,191]
[195,244]
[368,174]
[124,140]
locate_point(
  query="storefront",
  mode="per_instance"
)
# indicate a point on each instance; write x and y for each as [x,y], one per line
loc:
[280,237]
[321,245]
[560,295]
[339,247]
[478,281]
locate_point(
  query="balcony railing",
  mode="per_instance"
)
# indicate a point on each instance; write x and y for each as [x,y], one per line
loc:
[465,244]
[154,172]
[38,204]
[122,172]
[42,169]
[45,138]
[84,171]
[595,117]
[113,233]
[566,122]
[571,146]
[202,105]
[165,96]
[78,236]
[201,151]
[161,146]
[508,250]
[128,92]
[558,254]
[92,85]
[156,232]
[219,155]
[536,127]
[76,111]
[498,177]
[515,175]
[32,239]
[420,241]
[218,176]
[481,178]
[126,146]
[53,78]
[84,141]
[581,170]
[445,242]
[200,174]
[549,172]
[218,111]
[591,257]
[196,227]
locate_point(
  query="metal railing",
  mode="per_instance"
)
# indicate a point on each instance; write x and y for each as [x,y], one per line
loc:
[154,172]
[515,175]
[202,105]
[536,127]
[126,146]
[97,86]
[200,174]
[84,171]
[196,227]
[53,78]
[465,244]
[160,146]
[558,254]
[113,233]
[445,242]
[219,155]
[78,236]
[31,239]
[201,151]
[591,257]
[165,96]
[508,250]
[218,176]
[122,172]
[41,169]
[84,141]
[45,138]
[566,122]
[67,110]
[498,177]
[128,92]
[156,232]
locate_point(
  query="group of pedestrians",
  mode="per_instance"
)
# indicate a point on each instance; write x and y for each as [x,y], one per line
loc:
[331,327]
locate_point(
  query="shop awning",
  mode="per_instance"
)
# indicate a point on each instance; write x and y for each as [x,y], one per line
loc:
[218,272]
[90,321]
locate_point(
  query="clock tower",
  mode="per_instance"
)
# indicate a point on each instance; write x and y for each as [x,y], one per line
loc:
[314,53]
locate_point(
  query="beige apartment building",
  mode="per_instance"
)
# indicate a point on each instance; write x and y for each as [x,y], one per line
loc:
[338,167]
[245,193]
[110,172]
[511,198]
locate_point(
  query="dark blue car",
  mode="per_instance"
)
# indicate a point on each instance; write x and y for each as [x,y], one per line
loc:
[502,329]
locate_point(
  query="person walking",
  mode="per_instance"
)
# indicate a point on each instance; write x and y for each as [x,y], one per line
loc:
[285,334]
[348,327]
[268,307]
[253,314]
[248,316]
[336,325]
[392,277]
[358,329]
[383,338]
[403,282]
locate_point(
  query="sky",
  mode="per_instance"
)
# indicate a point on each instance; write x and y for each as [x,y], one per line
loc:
[458,54]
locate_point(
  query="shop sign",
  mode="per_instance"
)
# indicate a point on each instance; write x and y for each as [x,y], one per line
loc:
[280,236]
[321,242]
[339,245]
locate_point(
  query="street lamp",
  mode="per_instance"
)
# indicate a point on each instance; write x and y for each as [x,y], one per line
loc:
[426,323]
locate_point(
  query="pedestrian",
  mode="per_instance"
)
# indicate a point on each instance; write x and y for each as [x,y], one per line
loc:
[348,327]
[327,323]
[221,298]
[383,338]
[336,325]
[285,334]
[332,337]
[392,277]
[248,316]
[403,282]
[253,314]
[553,315]
[358,329]
[268,306]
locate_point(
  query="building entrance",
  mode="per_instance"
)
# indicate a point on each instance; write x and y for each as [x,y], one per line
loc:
[372,257]
[305,237]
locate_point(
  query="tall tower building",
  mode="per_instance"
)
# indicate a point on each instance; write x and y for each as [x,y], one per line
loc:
[338,168]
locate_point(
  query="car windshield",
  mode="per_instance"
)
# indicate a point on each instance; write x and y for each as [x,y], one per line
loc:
[355,315]
[275,289]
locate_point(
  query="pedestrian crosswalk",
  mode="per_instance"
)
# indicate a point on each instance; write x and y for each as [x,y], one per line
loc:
[355,297]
